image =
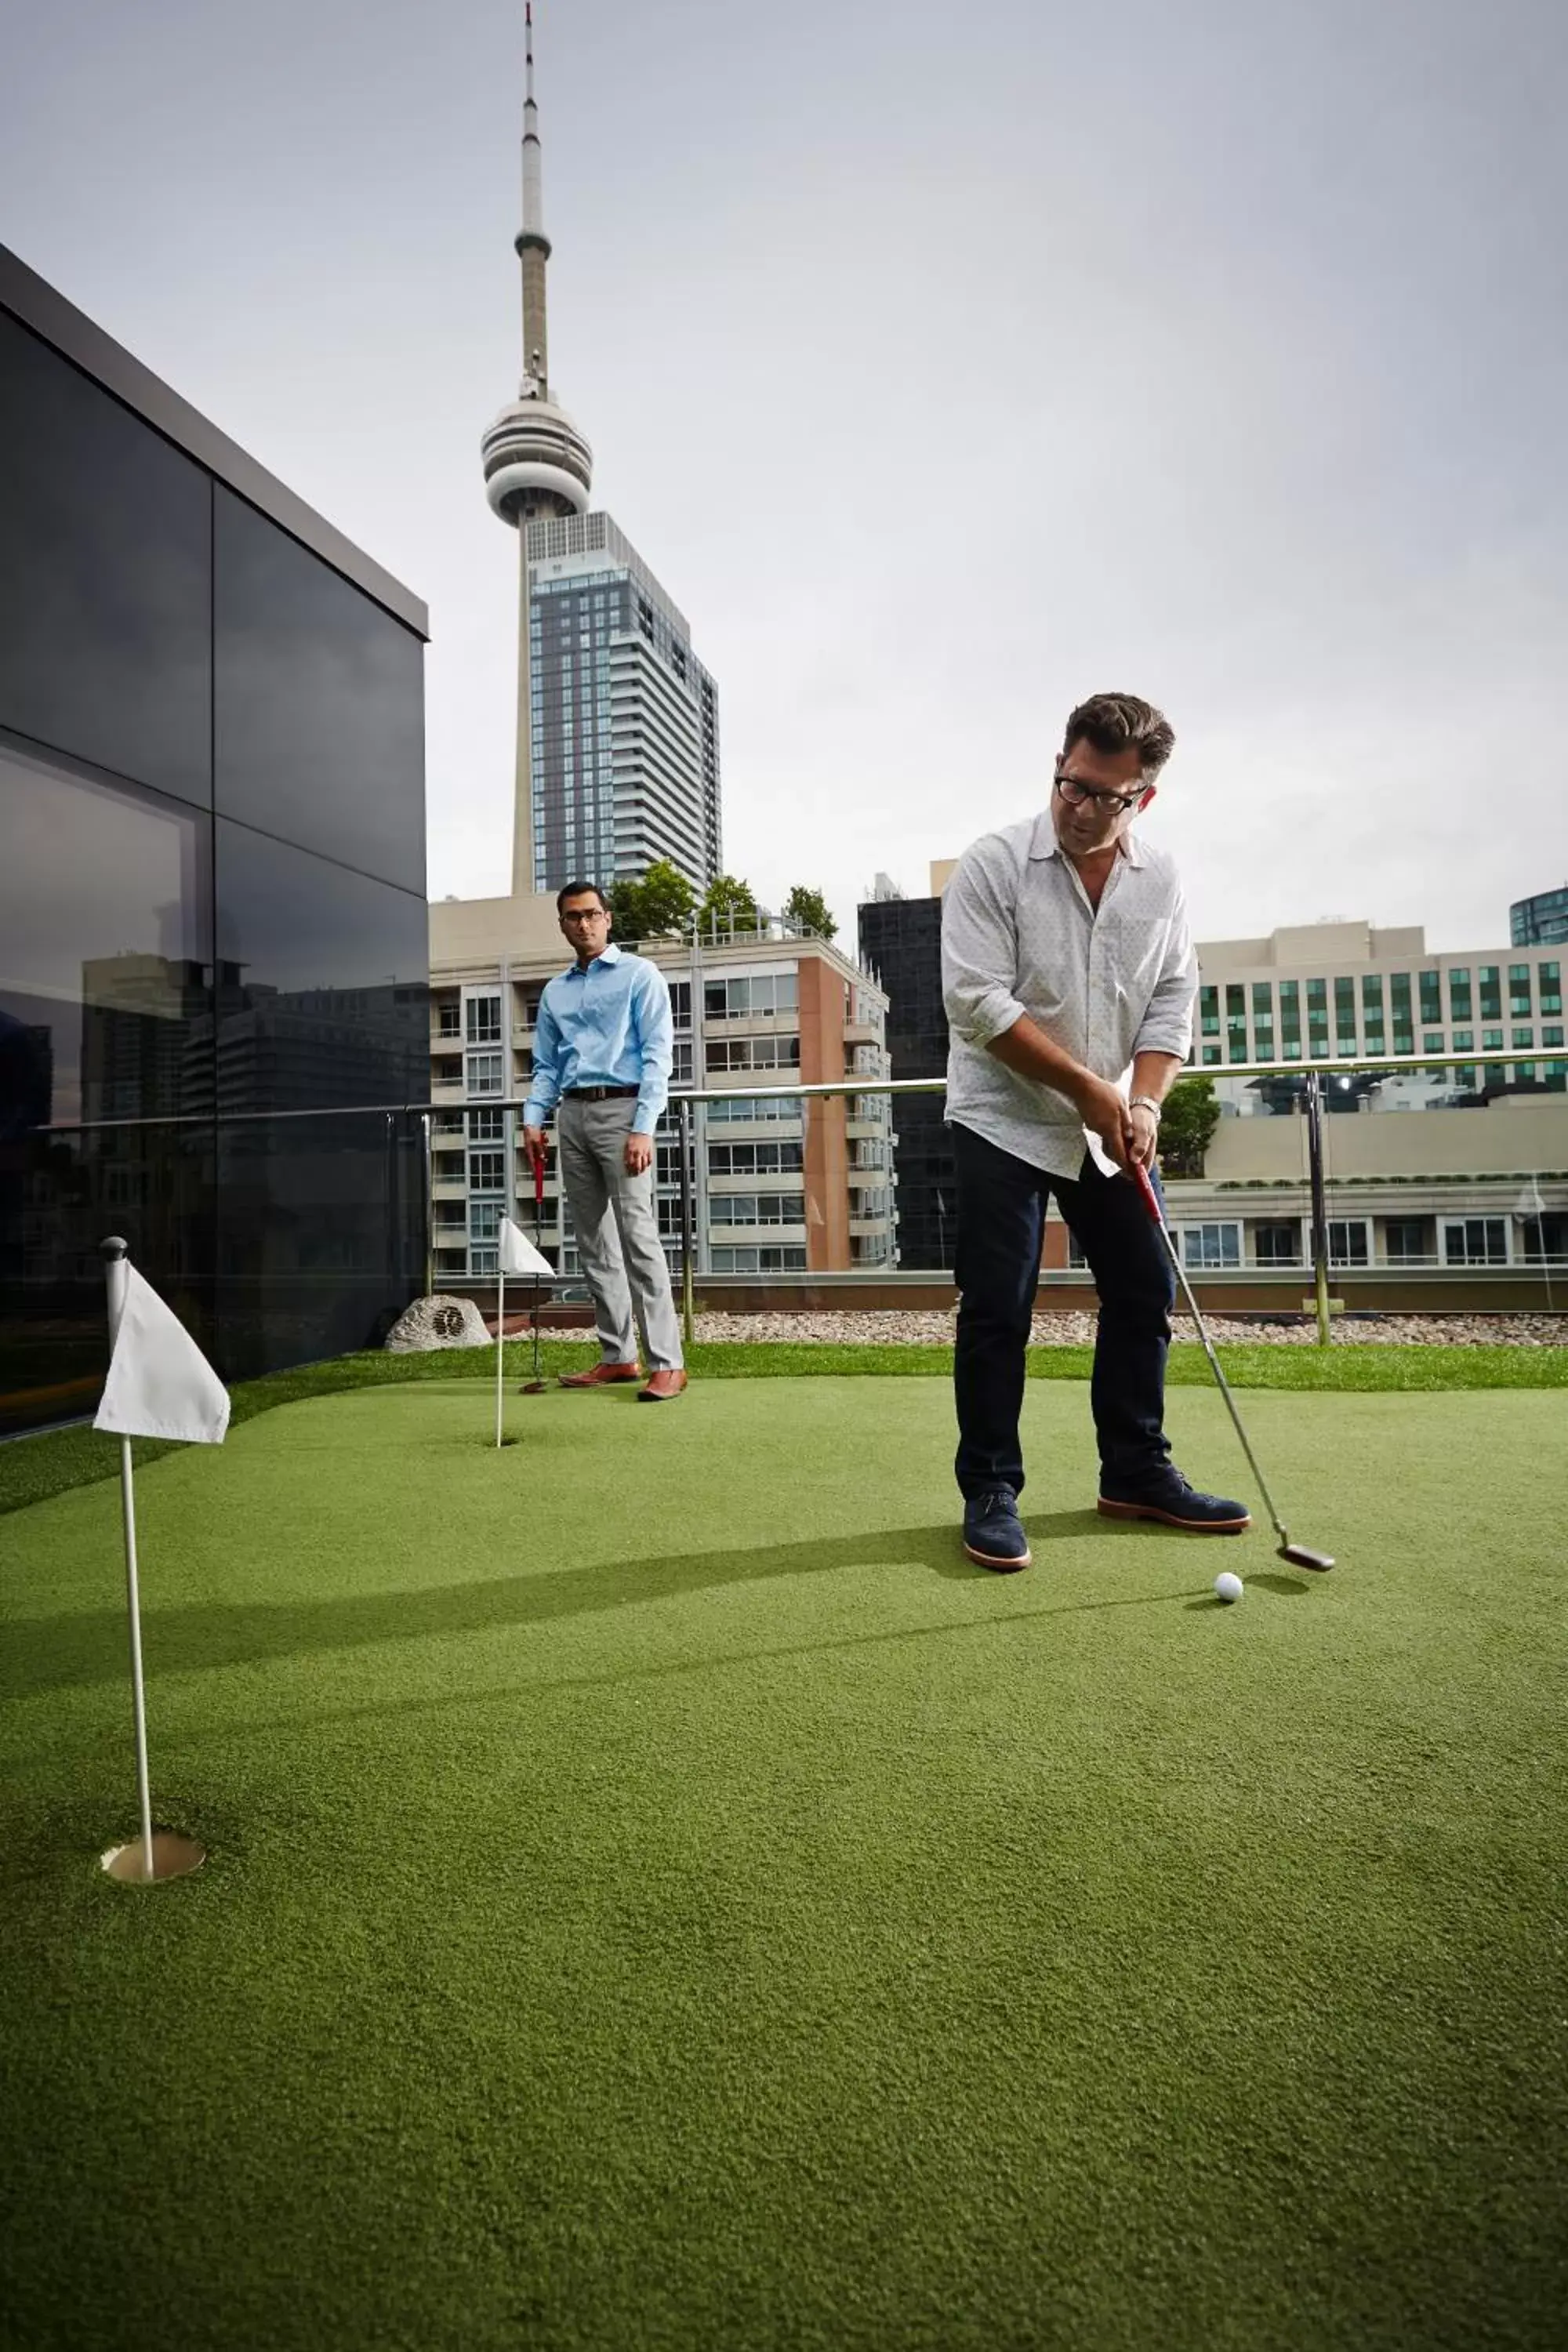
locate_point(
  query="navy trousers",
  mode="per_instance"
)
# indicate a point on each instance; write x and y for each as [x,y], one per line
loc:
[1001,1223]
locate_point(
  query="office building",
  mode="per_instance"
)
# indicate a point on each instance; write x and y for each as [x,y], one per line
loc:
[617,728]
[212,901]
[1541,921]
[901,940]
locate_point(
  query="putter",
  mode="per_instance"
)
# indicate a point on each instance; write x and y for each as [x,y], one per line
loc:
[535,1387]
[1299,1555]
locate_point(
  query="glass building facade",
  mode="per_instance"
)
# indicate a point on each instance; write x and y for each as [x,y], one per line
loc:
[213,920]
[901,938]
[1541,921]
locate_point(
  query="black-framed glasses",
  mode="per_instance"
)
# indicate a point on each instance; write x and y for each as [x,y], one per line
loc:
[1078,796]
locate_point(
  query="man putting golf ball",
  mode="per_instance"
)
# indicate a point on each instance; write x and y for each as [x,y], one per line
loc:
[1066,960]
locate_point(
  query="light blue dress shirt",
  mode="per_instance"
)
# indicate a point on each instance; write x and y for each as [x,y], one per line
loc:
[609,1026]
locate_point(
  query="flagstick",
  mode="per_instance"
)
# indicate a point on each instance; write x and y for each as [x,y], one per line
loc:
[500,1331]
[114,1254]
[138,1697]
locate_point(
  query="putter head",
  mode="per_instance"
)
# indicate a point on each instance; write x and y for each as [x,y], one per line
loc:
[1303,1555]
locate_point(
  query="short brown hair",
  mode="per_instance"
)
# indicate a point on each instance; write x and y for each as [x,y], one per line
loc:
[1123,722]
[581,890]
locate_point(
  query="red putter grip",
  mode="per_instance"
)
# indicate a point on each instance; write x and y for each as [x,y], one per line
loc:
[539,1180]
[1151,1198]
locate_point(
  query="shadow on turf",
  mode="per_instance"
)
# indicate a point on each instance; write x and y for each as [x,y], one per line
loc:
[55,1652]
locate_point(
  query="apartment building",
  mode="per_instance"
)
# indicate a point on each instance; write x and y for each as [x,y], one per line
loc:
[780,1186]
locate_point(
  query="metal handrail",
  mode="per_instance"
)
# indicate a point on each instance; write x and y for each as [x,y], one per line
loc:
[1364,1065]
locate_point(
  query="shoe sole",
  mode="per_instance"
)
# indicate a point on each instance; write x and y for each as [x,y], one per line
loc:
[985,1559]
[1169,1519]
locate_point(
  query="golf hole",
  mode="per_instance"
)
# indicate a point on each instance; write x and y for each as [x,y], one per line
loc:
[174,1856]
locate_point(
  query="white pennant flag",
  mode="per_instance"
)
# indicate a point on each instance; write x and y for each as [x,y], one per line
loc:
[1530,1204]
[518,1255]
[160,1384]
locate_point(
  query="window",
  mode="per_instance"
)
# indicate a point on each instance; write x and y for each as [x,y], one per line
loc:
[1263,1018]
[1208,1012]
[1317,1015]
[1372,1008]
[781,1260]
[1432,998]
[1344,1016]
[770,1108]
[1211,1056]
[1479,1241]
[757,1209]
[1523,1040]
[780,1158]
[482,1014]
[487,1172]
[1347,1241]
[485,1125]
[484,1216]
[1408,1241]
[1519,999]
[484,1075]
[1550,982]
[1211,1245]
[1399,1001]
[1550,1037]
[759,1053]
[680,1002]
[1459,1006]
[1431,1041]
[1464,1041]
[731,1000]
[1492,1041]
[1277,1243]
[448,1020]
[1492,992]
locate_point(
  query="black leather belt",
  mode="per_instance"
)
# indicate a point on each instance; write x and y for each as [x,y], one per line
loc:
[600,1094]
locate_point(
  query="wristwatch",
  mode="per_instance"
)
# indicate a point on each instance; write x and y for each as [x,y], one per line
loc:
[1145,1102]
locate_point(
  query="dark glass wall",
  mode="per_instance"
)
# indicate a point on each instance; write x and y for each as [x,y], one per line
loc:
[212,908]
[901,940]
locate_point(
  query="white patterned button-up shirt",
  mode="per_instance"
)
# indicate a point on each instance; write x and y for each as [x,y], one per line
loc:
[1019,935]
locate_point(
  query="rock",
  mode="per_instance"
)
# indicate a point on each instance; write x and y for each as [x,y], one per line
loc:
[437,1322]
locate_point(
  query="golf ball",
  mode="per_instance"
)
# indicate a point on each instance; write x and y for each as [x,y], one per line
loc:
[1230,1587]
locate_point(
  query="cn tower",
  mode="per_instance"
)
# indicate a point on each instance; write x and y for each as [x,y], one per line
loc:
[536,462]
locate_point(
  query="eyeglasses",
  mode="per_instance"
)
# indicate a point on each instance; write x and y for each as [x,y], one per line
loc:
[586,915]
[1078,796]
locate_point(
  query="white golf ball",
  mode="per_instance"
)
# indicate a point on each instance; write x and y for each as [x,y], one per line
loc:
[1230,1587]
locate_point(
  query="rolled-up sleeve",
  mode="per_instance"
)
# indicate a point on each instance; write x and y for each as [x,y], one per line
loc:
[980,945]
[1167,1023]
[655,1041]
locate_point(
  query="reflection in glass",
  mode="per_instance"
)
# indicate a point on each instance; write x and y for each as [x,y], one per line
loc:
[318,717]
[322,982]
[105,578]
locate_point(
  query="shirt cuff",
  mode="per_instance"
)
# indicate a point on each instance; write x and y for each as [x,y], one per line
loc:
[991,1016]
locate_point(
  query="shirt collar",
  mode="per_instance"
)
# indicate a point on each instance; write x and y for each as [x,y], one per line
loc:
[1042,842]
[580,971]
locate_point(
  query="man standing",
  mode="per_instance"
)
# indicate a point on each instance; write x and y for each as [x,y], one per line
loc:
[602,1048]
[1066,957]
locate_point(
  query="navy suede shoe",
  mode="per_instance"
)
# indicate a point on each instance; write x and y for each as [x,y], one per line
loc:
[1165,1496]
[993,1534]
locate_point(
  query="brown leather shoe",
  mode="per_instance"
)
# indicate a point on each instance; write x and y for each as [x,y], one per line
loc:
[601,1376]
[661,1386]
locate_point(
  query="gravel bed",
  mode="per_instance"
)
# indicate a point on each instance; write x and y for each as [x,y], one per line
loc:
[933,1327]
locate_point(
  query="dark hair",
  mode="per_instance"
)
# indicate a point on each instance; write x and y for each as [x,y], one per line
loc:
[580,890]
[1123,722]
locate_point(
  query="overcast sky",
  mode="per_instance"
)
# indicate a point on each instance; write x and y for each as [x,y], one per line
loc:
[946,364]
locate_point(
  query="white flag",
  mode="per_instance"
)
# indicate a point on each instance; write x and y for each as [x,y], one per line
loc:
[160,1384]
[518,1255]
[1529,1202]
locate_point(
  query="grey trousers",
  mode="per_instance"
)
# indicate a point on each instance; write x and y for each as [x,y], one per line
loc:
[617,1232]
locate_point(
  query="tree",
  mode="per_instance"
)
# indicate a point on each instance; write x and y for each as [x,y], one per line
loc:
[729,905]
[1186,1126]
[809,910]
[661,902]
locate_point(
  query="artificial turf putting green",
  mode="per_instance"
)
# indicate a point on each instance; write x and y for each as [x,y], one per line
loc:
[660,1895]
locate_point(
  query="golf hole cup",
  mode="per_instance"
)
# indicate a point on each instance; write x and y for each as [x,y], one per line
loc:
[1228,1586]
